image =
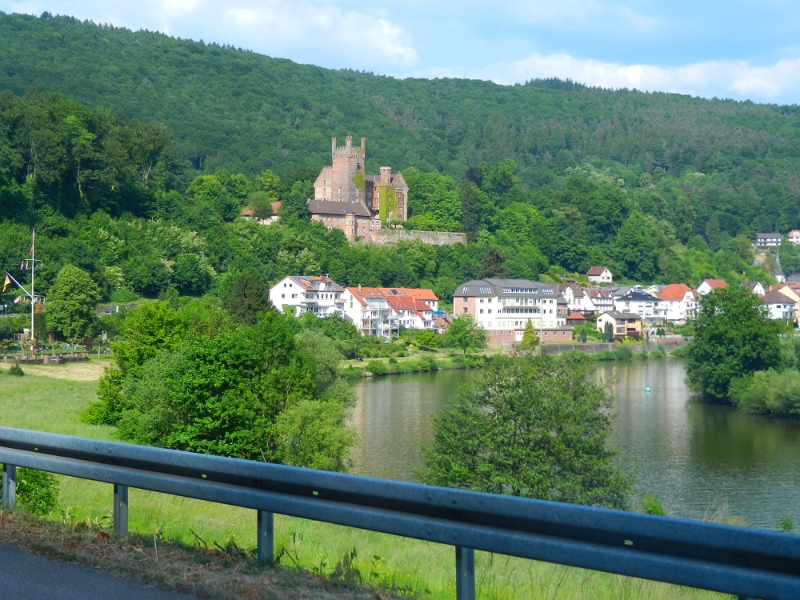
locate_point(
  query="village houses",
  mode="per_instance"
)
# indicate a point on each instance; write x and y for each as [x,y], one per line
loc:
[678,302]
[600,275]
[626,325]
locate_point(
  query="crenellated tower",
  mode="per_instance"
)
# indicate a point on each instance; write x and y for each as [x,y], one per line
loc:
[343,181]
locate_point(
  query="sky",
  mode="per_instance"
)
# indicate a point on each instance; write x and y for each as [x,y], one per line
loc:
[711,48]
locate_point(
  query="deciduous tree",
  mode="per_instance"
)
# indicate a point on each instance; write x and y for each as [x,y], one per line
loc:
[71,302]
[533,426]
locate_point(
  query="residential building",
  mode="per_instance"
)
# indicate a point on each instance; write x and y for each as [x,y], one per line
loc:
[598,301]
[792,292]
[412,314]
[710,285]
[780,306]
[678,302]
[575,319]
[755,288]
[647,306]
[424,295]
[600,275]
[794,237]
[768,240]
[504,306]
[304,293]
[625,324]
[369,310]
[346,198]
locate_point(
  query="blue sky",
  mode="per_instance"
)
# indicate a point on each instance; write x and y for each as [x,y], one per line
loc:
[733,49]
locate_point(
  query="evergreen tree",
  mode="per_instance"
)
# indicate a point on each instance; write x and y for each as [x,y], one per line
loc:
[530,342]
[249,297]
[712,233]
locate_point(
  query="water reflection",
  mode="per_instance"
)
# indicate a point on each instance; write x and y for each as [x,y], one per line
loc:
[690,455]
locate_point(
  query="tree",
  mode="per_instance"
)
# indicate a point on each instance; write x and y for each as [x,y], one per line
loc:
[294,203]
[712,233]
[427,339]
[733,337]
[530,341]
[608,332]
[71,302]
[533,426]
[249,297]
[465,333]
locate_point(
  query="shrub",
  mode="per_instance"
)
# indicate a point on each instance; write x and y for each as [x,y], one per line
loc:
[623,353]
[37,491]
[680,352]
[659,352]
[770,392]
[16,371]
[651,506]
[605,355]
[377,367]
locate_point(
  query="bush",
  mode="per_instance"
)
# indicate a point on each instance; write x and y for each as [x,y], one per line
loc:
[16,371]
[377,367]
[651,506]
[768,392]
[37,491]
[605,355]
[623,353]
[658,353]
[679,352]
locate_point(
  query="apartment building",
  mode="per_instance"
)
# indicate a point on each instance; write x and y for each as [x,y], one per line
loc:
[638,302]
[504,306]
[369,310]
[318,295]
[679,302]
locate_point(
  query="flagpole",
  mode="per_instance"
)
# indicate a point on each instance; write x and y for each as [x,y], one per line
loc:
[33,293]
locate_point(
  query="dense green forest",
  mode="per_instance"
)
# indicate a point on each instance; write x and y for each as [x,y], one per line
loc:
[133,154]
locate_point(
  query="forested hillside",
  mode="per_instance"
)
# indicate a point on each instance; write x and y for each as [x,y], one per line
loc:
[133,153]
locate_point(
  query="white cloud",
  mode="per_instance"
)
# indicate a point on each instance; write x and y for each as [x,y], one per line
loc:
[355,37]
[779,82]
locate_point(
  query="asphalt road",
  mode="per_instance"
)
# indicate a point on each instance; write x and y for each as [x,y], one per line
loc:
[26,576]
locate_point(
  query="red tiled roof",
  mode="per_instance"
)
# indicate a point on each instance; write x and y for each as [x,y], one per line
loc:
[248,212]
[416,293]
[674,292]
[576,317]
[596,271]
[716,283]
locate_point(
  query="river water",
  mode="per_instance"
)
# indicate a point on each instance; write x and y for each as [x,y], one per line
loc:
[697,459]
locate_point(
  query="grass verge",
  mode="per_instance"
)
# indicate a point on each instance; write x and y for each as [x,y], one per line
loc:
[407,566]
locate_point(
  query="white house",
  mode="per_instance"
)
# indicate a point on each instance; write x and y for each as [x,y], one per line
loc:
[755,288]
[794,237]
[781,307]
[599,275]
[369,310]
[709,285]
[598,301]
[678,302]
[306,293]
[768,240]
[647,306]
[504,306]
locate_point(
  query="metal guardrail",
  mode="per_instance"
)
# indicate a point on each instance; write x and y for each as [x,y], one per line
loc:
[745,562]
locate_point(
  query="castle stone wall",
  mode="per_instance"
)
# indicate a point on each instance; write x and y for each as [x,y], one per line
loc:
[433,238]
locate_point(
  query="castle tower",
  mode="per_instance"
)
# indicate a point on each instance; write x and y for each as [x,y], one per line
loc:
[344,182]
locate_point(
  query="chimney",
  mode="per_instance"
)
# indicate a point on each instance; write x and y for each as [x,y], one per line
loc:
[359,287]
[386,175]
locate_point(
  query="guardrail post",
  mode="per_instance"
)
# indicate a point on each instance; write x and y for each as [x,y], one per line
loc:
[120,509]
[266,538]
[465,573]
[9,487]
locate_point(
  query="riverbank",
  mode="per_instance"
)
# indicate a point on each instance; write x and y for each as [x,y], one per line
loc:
[408,566]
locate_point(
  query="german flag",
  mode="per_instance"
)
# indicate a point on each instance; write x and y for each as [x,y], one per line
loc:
[6,283]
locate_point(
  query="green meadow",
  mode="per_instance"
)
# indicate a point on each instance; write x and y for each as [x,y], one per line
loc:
[50,398]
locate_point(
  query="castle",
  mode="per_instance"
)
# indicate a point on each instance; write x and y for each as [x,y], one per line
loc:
[358,204]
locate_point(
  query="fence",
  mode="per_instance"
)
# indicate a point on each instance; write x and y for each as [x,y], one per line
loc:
[745,562]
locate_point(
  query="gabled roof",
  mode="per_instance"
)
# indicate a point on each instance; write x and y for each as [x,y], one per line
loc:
[416,293]
[768,236]
[333,207]
[674,292]
[362,294]
[309,282]
[595,271]
[621,315]
[634,296]
[777,298]
[715,284]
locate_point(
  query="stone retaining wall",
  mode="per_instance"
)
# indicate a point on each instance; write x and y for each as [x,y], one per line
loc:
[432,238]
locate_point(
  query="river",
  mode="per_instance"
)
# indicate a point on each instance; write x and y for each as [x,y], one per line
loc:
[697,459]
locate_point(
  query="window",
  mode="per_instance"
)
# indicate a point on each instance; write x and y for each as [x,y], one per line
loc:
[283,295]
[481,311]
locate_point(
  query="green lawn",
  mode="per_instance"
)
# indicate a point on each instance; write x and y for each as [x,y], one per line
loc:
[53,404]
